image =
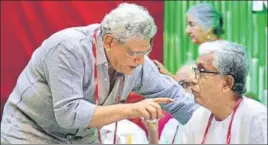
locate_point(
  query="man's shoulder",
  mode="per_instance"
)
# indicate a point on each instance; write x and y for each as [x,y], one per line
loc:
[201,111]
[70,35]
[200,114]
[76,40]
[253,107]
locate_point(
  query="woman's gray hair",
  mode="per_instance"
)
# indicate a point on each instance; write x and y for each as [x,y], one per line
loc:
[208,17]
[129,21]
[230,59]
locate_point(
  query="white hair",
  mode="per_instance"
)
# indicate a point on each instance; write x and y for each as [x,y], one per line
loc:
[208,17]
[207,47]
[129,21]
[229,59]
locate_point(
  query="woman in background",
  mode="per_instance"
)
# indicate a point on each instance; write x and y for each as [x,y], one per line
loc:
[204,24]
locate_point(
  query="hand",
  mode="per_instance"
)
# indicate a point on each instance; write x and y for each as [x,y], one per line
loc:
[152,128]
[160,66]
[162,69]
[150,125]
[148,108]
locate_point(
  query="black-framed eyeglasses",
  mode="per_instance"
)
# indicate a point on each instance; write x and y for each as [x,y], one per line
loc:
[198,72]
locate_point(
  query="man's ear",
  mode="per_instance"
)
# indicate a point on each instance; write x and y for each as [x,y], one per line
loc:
[108,41]
[228,83]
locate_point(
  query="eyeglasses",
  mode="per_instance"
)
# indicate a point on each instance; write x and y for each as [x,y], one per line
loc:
[198,72]
[133,53]
[137,54]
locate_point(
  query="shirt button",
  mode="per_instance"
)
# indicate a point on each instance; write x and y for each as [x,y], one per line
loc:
[105,63]
[105,79]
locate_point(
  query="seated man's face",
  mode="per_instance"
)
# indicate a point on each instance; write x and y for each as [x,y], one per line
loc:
[208,85]
[184,76]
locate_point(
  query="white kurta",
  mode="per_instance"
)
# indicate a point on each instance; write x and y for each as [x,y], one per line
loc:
[249,126]
[170,131]
[127,133]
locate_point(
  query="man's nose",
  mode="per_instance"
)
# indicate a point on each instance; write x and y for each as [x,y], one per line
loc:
[195,85]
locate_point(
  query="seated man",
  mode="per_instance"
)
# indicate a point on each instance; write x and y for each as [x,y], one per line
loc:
[226,116]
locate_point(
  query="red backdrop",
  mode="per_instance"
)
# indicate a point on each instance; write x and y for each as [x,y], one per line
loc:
[25,24]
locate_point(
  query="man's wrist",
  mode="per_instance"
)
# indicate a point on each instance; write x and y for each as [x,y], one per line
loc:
[127,110]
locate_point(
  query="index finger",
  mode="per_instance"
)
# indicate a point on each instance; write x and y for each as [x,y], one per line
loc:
[163,100]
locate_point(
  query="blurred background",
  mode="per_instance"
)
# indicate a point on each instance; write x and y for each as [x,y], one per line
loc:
[25,24]
[245,22]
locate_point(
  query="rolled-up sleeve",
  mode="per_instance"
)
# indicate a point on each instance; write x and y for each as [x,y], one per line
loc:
[152,84]
[64,73]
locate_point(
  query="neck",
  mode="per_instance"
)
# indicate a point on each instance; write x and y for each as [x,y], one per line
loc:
[214,38]
[111,70]
[224,109]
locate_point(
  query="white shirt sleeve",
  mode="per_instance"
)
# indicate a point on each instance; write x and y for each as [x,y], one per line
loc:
[258,129]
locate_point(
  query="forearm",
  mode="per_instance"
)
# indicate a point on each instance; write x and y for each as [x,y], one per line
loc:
[148,108]
[153,133]
[104,115]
